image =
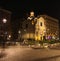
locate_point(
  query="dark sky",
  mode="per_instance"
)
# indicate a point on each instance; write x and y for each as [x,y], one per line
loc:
[20,8]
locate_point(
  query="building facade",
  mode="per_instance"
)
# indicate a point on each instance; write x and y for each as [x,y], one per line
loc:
[40,27]
[5,25]
[47,27]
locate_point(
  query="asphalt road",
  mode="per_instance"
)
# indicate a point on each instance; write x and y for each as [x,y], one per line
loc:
[18,53]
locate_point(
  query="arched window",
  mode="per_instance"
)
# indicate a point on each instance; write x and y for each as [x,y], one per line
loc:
[40,23]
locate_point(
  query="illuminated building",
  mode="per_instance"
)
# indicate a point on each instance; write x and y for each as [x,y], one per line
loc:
[5,25]
[47,27]
[40,27]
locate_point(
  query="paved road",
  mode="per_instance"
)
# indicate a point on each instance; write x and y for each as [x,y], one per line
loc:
[18,53]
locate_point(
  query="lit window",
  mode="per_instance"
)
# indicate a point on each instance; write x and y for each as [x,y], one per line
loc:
[40,23]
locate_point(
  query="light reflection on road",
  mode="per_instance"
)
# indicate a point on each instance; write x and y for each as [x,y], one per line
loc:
[18,53]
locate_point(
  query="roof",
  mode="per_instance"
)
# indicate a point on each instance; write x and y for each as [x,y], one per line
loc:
[46,16]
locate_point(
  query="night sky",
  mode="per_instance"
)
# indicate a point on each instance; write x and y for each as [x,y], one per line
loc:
[20,9]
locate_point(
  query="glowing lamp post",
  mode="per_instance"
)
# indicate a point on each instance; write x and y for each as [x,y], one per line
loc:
[4,22]
[19,35]
[19,31]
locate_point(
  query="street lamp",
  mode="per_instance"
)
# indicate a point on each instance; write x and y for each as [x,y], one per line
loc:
[19,35]
[9,37]
[4,22]
[19,31]
[4,26]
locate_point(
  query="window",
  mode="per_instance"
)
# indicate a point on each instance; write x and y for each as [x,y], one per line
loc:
[40,23]
[36,33]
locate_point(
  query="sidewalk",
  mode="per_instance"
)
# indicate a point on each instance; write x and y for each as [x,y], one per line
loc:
[2,53]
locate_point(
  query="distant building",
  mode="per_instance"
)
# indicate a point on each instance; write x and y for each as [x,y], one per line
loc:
[5,25]
[40,27]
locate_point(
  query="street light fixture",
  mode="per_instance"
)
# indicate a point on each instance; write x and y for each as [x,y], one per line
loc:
[19,31]
[4,20]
